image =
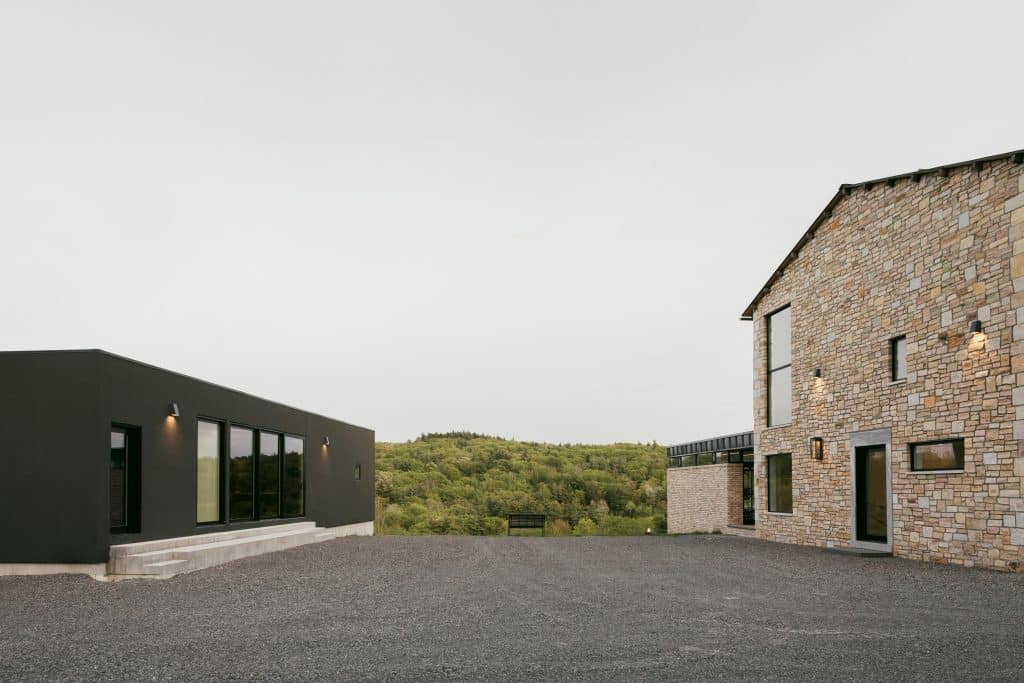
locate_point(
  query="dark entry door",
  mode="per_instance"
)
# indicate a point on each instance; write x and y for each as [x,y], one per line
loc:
[748,493]
[125,479]
[872,499]
[118,480]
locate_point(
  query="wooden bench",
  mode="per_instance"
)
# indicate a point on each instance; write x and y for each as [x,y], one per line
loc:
[525,521]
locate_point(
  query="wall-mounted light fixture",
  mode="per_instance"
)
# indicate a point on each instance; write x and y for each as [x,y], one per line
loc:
[976,326]
[817,448]
[172,410]
[326,440]
[817,373]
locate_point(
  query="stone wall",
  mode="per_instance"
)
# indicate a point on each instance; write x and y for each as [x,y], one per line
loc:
[704,498]
[923,259]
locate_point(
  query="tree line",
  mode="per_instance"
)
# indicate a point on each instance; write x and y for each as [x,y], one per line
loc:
[466,483]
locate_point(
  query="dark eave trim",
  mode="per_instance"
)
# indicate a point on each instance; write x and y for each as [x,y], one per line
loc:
[743,441]
[846,189]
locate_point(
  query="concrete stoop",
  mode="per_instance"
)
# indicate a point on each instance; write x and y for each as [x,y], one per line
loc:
[861,552]
[170,556]
[745,530]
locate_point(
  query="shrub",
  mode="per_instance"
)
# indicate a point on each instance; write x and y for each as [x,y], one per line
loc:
[585,527]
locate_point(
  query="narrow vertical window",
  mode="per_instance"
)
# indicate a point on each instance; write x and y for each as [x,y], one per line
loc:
[358,473]
[208,469]
[270,475]
[241,472]
[780,379]
[780,483]
[898,354]
[118,481]
[293,491]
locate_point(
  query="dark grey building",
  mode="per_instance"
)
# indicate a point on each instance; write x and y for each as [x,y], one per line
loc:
[99,450]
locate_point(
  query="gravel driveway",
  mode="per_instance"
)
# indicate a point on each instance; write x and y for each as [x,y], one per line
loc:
[396,608]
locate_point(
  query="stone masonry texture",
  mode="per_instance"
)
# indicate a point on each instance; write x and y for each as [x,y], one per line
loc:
[921,258]
[704,498]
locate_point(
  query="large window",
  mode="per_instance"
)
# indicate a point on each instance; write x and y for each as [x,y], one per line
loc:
[208,468]
[937,455]
[266,474]
[780,378]
[898,354]
[241,470]
[270,475]
[292,499]
[780,483]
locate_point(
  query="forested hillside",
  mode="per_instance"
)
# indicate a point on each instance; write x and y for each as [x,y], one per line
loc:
[463,483]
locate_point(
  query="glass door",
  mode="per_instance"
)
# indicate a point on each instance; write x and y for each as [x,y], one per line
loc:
[872,499]
[748,493]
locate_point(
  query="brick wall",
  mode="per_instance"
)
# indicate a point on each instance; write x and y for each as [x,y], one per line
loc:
[704,497]
[922,258]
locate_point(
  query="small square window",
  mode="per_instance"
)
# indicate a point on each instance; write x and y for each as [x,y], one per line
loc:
[898,356]
[937,455]
[358,472]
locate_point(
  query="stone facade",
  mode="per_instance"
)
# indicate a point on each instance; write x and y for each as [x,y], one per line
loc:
[705,498]
[921,257]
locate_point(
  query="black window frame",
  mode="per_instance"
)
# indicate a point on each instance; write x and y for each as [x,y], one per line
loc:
[225,488]
[132,494]
[893,377]
[222,468]
[768,482]
[279,438]
[772,370]
[284,452]
[958,453]
[253,489]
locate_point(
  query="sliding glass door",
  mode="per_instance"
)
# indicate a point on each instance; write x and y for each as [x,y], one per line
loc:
[242,474]
[265,474]
[270,475]
[292,502]
[208,469]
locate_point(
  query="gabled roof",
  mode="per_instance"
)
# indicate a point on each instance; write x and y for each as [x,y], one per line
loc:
[1017,156]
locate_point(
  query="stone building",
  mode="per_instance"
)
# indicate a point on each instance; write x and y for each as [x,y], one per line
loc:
[889,371]
[710,485]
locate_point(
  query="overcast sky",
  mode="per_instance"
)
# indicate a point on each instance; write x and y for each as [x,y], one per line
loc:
[540,220]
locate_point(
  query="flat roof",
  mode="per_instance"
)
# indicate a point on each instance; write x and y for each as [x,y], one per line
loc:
[730,442]
[184,376]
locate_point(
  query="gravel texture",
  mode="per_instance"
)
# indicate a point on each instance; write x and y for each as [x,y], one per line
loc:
[394,608]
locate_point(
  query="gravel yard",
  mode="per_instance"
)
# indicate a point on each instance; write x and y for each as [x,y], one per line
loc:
[623,608]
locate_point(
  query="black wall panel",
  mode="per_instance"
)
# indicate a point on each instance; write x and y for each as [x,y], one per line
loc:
[56,409]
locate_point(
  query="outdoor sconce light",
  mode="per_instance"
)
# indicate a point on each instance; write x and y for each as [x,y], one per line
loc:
[326,441]
[976,326]
[172,410]
[817,448]
[817,373]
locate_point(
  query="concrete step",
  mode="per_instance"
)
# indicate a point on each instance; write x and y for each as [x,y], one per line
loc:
[165,563]
[861,552]
[191,553]
[164,543]
[747,530]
